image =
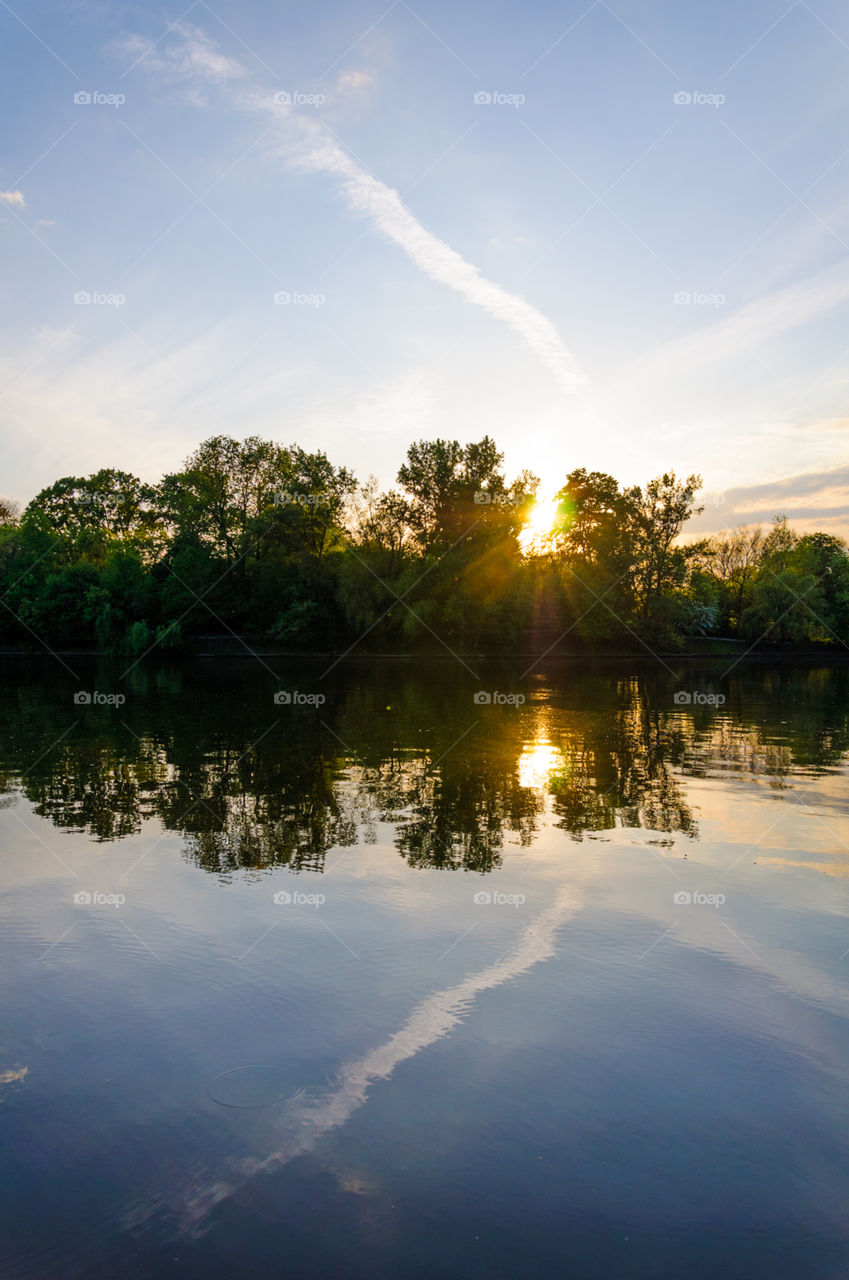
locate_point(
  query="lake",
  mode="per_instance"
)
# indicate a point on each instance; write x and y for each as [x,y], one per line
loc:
[413,969]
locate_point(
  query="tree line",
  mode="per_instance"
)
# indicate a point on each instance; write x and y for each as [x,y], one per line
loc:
[255,539]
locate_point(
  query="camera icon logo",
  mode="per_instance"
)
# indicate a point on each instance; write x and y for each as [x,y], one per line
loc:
[282,898]
[82,298]
[482,698]
[282,298]
[482,498]
[682,98]
[682,298]
[82,899]
[82,98]
[282,698]
[483,899]
[682,898]
[82,698]
[283,98]
[682,698]
[482,98]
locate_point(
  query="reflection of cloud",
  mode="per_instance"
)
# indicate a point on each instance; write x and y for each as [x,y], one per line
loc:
[307,1120]
[8,1077]
[838,869]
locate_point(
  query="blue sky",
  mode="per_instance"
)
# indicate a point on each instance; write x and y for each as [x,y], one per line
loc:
[609,235]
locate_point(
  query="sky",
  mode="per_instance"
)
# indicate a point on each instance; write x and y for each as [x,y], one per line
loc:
[608,235]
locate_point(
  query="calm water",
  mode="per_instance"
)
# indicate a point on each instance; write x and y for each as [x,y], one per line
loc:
[404,984]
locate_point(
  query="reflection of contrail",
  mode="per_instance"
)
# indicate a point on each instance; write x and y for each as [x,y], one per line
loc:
[307,1121]
[308,144]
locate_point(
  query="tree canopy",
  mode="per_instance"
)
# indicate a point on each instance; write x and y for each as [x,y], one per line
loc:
[251,538]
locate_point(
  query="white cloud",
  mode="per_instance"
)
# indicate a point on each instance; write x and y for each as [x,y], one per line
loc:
[13,198]
[190,64]
[498,243]
[748,327]
[813,500]
[193,57]
[402,405]
[64,391]
[353,81]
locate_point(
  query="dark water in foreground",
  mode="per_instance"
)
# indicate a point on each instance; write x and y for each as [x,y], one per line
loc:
[407,985]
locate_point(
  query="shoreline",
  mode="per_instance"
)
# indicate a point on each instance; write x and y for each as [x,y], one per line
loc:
[805,654]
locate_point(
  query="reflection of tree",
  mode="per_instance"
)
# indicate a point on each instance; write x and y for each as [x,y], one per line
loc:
[456,814]
[250,787]
[94,787]
[733,748]
[790,718]
[277,806]
[618,772]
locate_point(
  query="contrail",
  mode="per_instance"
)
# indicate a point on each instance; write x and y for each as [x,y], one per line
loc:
[384,206]
[309,145]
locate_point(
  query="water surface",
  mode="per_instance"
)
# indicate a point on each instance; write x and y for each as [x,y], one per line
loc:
[388,980]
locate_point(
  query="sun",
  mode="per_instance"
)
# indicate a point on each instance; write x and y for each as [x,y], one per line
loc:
[535,538]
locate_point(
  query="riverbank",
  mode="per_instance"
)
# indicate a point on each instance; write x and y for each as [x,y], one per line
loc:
[245,647]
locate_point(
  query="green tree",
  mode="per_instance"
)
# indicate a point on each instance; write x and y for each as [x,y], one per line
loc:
[224,485]
[89,513]
[659,564]
[592,552]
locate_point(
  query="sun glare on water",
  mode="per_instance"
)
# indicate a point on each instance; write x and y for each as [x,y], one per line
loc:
[538,761]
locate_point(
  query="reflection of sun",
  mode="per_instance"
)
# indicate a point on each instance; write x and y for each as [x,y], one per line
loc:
[539,526]
[538,761]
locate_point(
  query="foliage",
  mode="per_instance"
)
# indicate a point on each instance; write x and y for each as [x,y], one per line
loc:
[253,538]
